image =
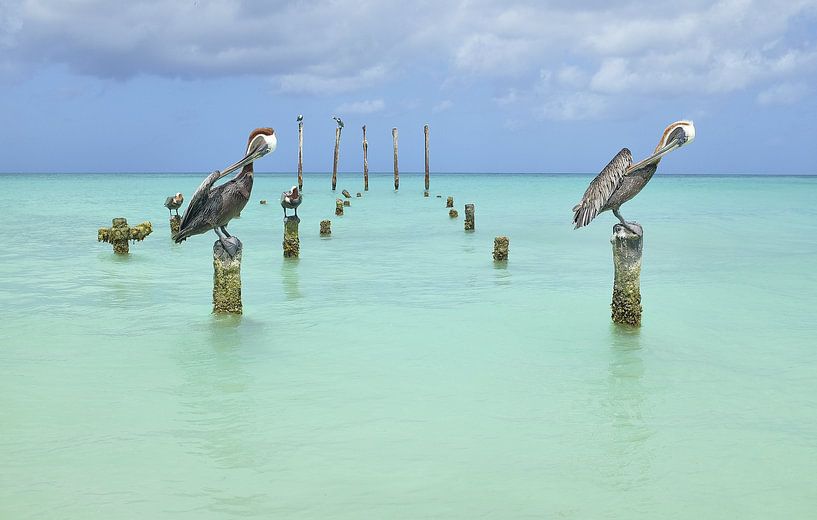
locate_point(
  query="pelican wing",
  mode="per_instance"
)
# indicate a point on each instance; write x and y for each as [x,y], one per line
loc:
[599,191]
[199,199]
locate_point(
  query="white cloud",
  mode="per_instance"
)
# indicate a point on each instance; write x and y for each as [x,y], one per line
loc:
[442,106]
[368,106]
[783,94]
[576,106]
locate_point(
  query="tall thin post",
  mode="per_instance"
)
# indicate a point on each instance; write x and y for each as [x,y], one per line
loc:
[396,173]
[365,161]
[300,153]
[425,131]
[626,304]
[335,165]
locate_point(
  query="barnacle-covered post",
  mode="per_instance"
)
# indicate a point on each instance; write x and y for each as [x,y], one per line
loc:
[425,131]
[175,224]
[365,161]
[292,244]
[453,213]
[226,280]
[501,248]
[339,207]
[626,305]
[300,152]
[469,217]
[120,233]
[449,202]
[326,227]
[396,173]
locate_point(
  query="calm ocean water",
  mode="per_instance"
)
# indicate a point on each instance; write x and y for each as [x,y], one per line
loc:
[394,371]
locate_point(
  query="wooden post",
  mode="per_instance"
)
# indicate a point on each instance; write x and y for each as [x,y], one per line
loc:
[346,194]
[501,248]
[396,173]
[175,224]
[226,280]
[301,154]
[365,161]
[339,207]
[292,244]
[453,213]
[469,217]
[449,202]
[626,305]
[425,130]
[326,227]
[335,164]
[120,233]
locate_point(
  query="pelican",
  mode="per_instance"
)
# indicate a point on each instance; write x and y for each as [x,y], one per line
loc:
[212,207]
[291,200]
[621,180]
[174,202]
[339,121]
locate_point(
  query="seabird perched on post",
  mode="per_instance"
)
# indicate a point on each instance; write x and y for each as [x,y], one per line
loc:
[212,207]
[339,121]
[291,200]
[174,203]
[300,117]
[621,180]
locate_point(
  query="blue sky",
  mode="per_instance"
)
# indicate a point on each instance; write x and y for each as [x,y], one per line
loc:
[528,86]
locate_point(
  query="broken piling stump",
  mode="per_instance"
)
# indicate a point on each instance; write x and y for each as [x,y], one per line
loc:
[347,203]
[626,304]
[501,248]
[291,243]
[358,194]
[346,194]
[449,202]
[453,213]
[120,233]
[262,201]
[469,217]
[175,224]
[326,227]
[339,207]
[226,280]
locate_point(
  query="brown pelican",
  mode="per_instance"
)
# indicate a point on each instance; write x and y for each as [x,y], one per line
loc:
[291,200]
[174,202]
[621,180]
[212,207]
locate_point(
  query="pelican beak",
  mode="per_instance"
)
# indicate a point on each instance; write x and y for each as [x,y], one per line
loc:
[679,137]
[261,147]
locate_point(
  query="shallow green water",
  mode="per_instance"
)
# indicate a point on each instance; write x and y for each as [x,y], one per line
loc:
[394,371]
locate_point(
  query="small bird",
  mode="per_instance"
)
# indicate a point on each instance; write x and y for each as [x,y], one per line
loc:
[212,207]
[621,180]
[339,121]
[300,118]
[291,200]
[174,203]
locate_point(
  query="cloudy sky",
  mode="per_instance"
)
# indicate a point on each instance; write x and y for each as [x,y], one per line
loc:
[514,85]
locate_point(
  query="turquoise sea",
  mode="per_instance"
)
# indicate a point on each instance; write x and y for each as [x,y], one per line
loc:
[394,371]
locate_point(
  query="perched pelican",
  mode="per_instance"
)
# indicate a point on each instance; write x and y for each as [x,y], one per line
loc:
[621,180]
[300,117]
[339,121]
[174,202]
[291,200]
[212,207]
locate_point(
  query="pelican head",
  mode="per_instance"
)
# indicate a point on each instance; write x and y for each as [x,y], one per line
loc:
[262,141]
[676,135]
[178,198]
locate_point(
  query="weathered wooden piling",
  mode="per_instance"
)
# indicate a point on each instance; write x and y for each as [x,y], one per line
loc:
[326,227]
[626,304]
[347,203]
[453,213]
[425,131]
[301,153]
[501,248]
[175,224]
[365,161]
[339,207]
[335,163]
[291,243]
[358,194]
[469,217]
[226,280]
[346,194]
[396,173]
[120,233]
[449,202]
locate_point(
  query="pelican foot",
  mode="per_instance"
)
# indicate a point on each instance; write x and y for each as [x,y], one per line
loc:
[632,227]
[231,244]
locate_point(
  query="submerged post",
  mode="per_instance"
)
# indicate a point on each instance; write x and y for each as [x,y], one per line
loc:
[335,163]
[626,305]
[365,161]
[425,131]
[300,152]
[396,173]
[326,227]
[469,217]
[339,207]
[175,224]
[226,280]
[501,248]
[120,233]
[292,244]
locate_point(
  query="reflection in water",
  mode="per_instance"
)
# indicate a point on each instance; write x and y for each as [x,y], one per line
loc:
[503,276]
[289,278]
[627,405]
